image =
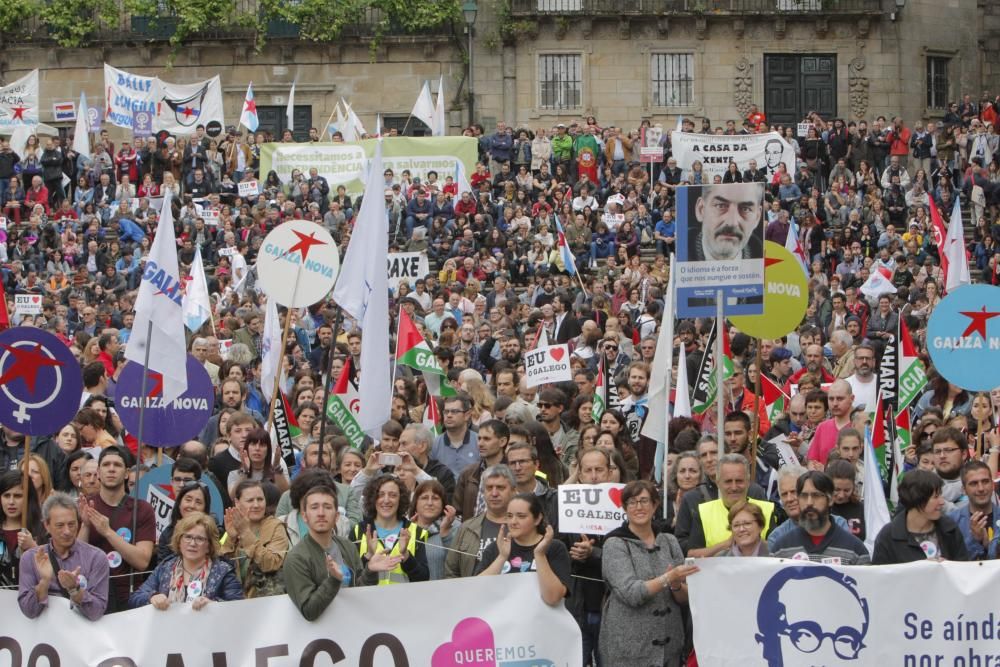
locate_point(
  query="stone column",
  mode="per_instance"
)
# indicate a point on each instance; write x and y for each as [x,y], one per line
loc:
[508,65]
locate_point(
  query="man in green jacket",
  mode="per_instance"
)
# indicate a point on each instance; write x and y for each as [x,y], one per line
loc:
[322,562]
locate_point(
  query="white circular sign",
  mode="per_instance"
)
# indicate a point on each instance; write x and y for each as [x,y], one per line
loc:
[297,264]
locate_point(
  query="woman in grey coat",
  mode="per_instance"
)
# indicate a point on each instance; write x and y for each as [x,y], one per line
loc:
[645,574]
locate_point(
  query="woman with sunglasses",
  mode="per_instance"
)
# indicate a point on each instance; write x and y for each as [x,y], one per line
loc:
[194,574]
[192,498]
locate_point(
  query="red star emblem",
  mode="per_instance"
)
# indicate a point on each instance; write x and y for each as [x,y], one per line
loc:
[305,242]
[157,379]
[978,324]
[188,112]
[251,106]
[26,364]
[18,112]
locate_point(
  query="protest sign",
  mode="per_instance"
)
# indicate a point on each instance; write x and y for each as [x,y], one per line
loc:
[224,347]
[406,266]
[27,304]
[716,151]
[802,129]
[94,118]
[184,106]
[40,382]
[3,223]
[167,424]
[64,111]
[211,217]
[963,336]
[126,93]
[785,612]
[651,147]
[354,630]
[346,163]
[155,488]
[720,246]
[142,124]
[590,509]
[545,365]
[247,188]
[298,263]
[786,296]
[19,101]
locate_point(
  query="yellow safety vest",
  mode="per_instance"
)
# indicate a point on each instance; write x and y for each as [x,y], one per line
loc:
[715,519]
[396,576]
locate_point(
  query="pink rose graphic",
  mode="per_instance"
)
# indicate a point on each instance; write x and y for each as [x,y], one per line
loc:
[471,643]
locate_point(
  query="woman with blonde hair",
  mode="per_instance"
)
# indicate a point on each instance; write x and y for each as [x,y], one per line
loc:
[41,477]
[482,398]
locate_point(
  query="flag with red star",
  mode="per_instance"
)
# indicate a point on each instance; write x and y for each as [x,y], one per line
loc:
[41,381]
[183,106]
[248,118]
[19,101]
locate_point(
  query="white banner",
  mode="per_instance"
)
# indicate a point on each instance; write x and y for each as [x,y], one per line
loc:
[790,613]
[125,93]
[544,365]
[591,509]
[247,188]
[27,304]
[472,629]
[716,151]
[407,266]
[19,101]
[182,107]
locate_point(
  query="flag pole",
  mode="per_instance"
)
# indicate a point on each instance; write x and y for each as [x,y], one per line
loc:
[138,447]
[755,429]
[406,125]
[25,480]
[338,321]
[330,119]
[720,414]
[277,376]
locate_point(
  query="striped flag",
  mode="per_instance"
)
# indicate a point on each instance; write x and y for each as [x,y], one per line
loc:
[344,404]
[794,246]
[704,388]
[883,441]
[569,263]
[411,348]
[600,403]
[432,416]
[775,400]
[912,376]
[286,427]
[875,507]
[248,118]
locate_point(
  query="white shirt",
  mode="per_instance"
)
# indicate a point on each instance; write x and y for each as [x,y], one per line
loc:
[864,392]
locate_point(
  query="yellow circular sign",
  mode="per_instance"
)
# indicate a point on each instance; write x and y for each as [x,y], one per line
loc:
[786,295]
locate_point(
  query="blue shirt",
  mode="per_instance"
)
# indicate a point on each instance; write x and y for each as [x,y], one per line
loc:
[667,229]
[456,458]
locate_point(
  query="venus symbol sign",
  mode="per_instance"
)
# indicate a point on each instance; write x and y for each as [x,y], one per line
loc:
[40,382]
[298,263]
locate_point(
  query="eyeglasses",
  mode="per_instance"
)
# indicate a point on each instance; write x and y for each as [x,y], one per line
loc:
[542,405]
[518,463]
[944,451]
[811,495]
[611,348]
[194,539]
[808,636]
[182,480]
[743,525]
[638,502]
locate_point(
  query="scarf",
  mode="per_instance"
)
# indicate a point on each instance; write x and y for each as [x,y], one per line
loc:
[179,581]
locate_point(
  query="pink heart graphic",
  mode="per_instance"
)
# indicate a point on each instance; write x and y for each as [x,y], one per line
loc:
[471,645]
[515,562]
[36,299]
[557,353]
[616,496]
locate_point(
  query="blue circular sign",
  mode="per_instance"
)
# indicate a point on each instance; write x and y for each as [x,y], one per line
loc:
[40,382]
[170,424]
[963,336]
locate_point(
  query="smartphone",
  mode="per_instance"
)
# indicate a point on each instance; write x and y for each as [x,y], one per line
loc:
[387,459]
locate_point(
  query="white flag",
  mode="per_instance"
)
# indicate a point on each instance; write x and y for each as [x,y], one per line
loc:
[440,126]
[270,344]
[423,108]
[682,397]
[954,248]
[248,118]
[362,291]
[159,313]
[197,304]
[876,509]
[290,109]
[878,284]
[81,137]
[353,130]
[657,415]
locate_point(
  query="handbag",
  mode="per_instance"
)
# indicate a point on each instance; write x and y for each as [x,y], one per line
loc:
[263,584]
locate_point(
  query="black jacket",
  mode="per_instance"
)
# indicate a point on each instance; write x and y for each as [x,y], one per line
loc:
[895,544]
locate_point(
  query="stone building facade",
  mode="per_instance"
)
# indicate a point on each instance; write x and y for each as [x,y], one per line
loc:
[537,62]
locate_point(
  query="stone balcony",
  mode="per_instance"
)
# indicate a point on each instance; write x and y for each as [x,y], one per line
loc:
[637,8]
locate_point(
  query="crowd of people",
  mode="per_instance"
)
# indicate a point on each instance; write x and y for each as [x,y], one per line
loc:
[479,498]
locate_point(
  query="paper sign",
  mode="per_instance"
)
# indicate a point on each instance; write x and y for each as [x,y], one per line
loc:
[224,347]
[63,111]
[590,509]
[650,150]
[545,365]
[211,217]
[227,252]
[3,223]
[27,304]
[406,266]
[802,129]
[247,188]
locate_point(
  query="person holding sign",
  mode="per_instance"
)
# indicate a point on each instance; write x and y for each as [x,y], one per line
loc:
[194,574]
[647,583]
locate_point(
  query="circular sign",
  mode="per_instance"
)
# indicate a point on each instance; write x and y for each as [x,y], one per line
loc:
[786,295]
[298,263]
[963,336]
[40,382]
[166,425]
[213,128]
[161,137]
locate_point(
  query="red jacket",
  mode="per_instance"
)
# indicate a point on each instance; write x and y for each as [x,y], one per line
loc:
[31,197]
[465,208]
[899,144]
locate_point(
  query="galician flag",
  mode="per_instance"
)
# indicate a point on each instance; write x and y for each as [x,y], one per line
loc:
[343,405]
[270,343]
[600,403]
[569,263]
[159,312]
[912,376]
[197,304]
[411,348]
[775,399]
[793,245]
[432,416]
[248,118]
[875,507]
